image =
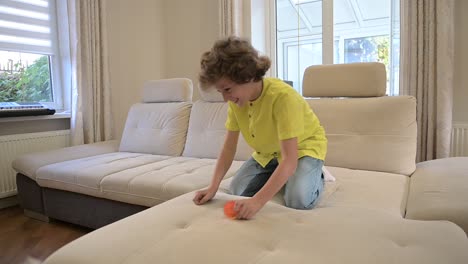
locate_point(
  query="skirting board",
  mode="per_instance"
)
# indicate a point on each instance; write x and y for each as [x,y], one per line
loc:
[9,201]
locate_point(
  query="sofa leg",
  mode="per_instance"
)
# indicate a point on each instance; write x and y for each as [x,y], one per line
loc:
[36,216]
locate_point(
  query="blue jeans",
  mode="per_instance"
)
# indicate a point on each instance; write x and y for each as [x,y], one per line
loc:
[302,189]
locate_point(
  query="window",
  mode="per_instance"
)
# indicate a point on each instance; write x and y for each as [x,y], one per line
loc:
[313,32]
[29,59]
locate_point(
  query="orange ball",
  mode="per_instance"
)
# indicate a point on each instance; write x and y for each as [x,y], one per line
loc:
[229,209]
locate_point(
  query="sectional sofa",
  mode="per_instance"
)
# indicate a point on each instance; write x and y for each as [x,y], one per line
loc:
[382,208]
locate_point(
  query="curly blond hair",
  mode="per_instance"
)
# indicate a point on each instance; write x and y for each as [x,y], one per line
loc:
[232,58]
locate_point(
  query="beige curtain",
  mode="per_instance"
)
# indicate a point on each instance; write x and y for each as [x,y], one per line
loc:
[91,102]
[426,71]
[230,15]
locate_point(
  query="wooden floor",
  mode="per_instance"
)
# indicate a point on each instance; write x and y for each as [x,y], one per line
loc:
[24,240]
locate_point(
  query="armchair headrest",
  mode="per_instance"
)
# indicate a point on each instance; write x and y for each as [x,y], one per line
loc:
[367,79]
[168,90]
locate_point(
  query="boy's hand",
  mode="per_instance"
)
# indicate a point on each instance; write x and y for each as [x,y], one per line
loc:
[203,196]
[247,208]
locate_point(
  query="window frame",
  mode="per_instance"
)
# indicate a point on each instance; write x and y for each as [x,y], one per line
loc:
[55,62]
[328,40]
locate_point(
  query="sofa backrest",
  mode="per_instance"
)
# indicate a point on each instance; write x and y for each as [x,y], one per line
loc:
[205,136]
[366,130]
[159,124]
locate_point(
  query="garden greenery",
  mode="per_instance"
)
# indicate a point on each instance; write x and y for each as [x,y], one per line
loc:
[27,84]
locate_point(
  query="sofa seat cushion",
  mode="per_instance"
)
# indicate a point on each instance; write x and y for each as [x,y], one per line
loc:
[357,188]
[86,174]
[160,181]
[135,178]
[180,232]
[28,164]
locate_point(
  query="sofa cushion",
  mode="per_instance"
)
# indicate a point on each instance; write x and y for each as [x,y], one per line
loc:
[157,182]
[85,175]
[205,136]
[439,191]
[131,177]
[359,189]
[375,134]
[180,232]
[367,189]
[156,128]
[28,164]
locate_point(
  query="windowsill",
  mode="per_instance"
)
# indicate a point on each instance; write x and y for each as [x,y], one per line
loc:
[62,115]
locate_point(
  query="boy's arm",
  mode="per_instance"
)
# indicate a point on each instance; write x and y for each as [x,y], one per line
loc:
[225,159]
[222,166]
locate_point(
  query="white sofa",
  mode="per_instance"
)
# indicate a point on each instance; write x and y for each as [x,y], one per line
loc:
[169,148]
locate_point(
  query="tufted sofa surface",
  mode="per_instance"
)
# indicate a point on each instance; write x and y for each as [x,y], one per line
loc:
[180,232]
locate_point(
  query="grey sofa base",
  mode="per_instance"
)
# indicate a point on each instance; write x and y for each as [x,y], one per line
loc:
[29,194]
[35,215]
[79,209]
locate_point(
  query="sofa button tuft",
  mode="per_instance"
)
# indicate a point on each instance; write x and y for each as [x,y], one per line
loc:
[183,225]
[270,248]
[398,243]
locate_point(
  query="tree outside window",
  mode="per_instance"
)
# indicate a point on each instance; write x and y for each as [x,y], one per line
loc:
[25,80]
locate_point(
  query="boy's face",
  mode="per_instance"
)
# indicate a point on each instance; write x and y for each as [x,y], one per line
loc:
[239,94]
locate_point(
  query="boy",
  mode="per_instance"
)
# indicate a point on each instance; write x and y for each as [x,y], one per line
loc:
[289,142]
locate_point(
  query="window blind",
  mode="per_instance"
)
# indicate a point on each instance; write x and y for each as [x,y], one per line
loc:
[27,26]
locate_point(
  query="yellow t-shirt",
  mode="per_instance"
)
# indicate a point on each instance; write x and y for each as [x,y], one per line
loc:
[279,113]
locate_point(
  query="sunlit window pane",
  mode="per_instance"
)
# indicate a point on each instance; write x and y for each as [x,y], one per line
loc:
[25,77]
[299,38]
[363,31]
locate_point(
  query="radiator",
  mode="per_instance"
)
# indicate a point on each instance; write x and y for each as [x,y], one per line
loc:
[459,144]
[12,146]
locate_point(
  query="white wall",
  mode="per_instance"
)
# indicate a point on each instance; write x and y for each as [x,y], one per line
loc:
[155,39]
[192,28]
[136,51]
[460,108]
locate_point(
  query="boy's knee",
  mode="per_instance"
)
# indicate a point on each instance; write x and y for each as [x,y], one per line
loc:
[298,201]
